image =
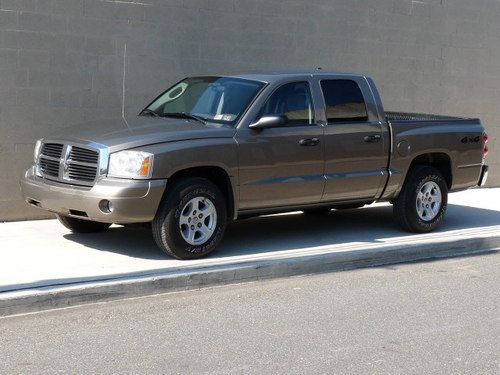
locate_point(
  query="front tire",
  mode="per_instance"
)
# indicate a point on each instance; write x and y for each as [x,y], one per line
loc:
[422,202]
[191,219]
[82,226]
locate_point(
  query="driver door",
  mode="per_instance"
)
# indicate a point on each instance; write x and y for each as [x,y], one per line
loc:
[283,165]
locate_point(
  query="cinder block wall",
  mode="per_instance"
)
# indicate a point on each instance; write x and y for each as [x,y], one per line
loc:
[62,61]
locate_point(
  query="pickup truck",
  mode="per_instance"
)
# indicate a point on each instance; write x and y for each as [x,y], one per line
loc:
[213,149]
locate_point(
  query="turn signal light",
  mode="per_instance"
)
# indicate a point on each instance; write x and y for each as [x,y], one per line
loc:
[485,141]
[145,167]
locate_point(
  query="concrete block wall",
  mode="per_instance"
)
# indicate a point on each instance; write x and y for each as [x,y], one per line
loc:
[63,62]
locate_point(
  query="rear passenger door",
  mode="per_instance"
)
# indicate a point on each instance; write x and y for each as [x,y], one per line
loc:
[356,142]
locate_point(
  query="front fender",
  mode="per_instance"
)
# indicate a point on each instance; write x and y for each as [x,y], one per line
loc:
[173,157]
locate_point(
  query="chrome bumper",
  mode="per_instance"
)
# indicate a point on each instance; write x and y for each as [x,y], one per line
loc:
[484,175]
[132,201]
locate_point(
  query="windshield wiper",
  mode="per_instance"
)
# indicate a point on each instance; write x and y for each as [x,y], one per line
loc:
[201,119]
[148,111]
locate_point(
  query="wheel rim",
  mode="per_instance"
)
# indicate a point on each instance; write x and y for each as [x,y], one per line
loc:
[198,221]
[428,201]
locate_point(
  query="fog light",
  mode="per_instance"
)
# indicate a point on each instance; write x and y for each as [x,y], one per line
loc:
[106,206]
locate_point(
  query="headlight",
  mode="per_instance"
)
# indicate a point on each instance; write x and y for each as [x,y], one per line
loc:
[130,164]
[38,145]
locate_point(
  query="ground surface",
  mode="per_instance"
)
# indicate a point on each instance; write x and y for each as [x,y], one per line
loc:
[44,253]
[421,318]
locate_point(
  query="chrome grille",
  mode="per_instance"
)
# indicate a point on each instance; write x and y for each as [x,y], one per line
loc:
[68,163]
[83,155]
[81,172]
[49,167]
[54,150]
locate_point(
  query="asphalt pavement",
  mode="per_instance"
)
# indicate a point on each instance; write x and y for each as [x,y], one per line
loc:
[432,317]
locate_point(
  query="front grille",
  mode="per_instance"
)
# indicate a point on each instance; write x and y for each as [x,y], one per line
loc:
[49,167]
[83,155]
[54,150]
[82,172]
[67,163]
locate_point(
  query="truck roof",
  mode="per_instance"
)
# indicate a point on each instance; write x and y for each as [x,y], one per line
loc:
[271,76]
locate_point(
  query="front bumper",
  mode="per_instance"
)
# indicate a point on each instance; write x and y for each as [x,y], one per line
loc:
[133,201]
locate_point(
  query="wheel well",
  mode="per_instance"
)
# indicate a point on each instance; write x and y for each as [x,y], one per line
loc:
[217,176]
[440,161]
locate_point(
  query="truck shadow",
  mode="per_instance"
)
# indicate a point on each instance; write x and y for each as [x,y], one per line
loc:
[289,232]
[366,225]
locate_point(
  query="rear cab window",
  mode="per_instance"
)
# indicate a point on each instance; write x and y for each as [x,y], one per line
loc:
[344,101]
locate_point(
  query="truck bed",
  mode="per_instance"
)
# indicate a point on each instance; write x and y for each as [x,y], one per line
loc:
[408,116]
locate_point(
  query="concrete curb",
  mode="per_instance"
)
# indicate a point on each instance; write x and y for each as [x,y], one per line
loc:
[25,301]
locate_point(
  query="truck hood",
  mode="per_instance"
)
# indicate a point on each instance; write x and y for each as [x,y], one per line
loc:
[119,134]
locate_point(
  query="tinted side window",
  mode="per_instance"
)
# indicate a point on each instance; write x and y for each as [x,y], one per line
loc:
[344,101]
[292,100]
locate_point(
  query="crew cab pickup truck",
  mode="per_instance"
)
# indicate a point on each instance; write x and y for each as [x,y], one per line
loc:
[217,148]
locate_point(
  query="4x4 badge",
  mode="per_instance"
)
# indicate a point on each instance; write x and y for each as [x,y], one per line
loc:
[470,139]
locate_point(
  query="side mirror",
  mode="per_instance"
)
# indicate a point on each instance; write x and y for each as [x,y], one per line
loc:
[266,122]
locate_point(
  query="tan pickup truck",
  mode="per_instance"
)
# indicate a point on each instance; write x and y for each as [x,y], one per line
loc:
[217,148]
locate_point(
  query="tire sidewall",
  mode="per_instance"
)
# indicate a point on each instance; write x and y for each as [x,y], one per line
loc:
[177,244]
[419,181]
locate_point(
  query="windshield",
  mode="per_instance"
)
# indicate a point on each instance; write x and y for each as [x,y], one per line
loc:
[215,99]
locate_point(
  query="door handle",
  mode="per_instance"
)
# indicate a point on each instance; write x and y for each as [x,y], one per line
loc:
[309,142]
[372,138]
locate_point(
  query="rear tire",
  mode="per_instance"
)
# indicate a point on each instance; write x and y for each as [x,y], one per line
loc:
[422,202]
[191,219]
[82,226]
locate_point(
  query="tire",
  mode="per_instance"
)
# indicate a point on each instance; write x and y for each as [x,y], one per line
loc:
[171,229]
[82,226]
[430,214]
